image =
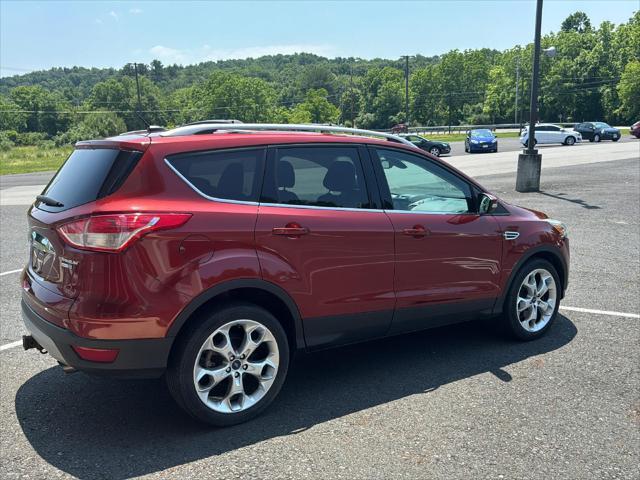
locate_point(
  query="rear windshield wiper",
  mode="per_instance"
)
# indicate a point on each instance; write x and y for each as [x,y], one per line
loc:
[52,202]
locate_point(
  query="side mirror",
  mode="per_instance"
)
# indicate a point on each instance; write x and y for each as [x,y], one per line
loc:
[487,203]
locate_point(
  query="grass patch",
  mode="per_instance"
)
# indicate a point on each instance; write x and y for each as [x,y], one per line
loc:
[32,159]
[459,137]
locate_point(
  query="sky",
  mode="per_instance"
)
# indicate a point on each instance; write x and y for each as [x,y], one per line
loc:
[37,35]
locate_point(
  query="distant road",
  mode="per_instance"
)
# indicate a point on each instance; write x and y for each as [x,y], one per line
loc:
[512,144]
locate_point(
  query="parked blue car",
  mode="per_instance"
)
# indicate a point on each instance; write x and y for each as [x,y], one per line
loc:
[481,140]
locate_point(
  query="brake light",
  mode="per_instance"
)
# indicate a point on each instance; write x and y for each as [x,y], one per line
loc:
[115,232]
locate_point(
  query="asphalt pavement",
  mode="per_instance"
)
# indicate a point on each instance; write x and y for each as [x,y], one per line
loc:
[455,402]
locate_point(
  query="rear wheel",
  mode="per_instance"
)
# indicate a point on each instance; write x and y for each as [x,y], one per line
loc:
[532,303]
[615,139]
[434,151]
[231,366]
[569,140]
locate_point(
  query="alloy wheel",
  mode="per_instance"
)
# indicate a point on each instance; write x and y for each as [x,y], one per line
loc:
[536,301]
[236,366]
[435,151]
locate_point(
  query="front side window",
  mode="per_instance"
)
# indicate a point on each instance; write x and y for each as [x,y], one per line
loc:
[418,185]
[316,176]
[227,174]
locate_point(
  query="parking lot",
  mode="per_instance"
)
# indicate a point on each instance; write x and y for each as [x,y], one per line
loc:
[455,402]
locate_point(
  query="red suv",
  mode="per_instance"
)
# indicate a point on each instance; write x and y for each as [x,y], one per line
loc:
[210,254]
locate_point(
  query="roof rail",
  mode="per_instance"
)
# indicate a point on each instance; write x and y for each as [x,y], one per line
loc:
[205,128]
[221,121]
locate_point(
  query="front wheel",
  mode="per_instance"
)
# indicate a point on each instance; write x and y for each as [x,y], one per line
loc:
[615,139]
[596,138]
[434,151]
[569,141]
[230,367]
[533,299]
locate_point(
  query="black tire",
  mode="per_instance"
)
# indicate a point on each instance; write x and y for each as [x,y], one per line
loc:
[434,151]
[510,319]
[466,149]
[569,140]
[615,139]
[179,375]
[591,140]
[596,138]
[495,150]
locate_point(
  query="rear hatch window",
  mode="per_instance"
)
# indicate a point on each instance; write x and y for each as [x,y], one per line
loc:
[88,175]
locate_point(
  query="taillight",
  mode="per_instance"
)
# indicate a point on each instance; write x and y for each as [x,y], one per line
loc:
[115,232]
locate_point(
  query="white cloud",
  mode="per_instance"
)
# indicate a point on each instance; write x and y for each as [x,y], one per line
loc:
[207,53]
[135,11]
[114,15]
[169,55]
[98,21]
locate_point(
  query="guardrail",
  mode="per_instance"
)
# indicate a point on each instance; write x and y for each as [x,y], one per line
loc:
[446,129]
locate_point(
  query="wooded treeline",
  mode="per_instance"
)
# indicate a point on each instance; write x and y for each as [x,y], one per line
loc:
[594,76]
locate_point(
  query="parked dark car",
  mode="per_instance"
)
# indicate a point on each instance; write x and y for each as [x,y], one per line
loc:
[431,146]
[480,140]
[400,128]
[209,258]
[597,131]
[635,129]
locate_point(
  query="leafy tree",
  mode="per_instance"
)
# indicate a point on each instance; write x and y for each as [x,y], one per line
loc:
[577,22]
[45,111]
[10,118]
[629,91]
[94,125]
[315,109]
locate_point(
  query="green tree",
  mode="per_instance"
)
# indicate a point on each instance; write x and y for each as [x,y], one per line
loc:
[45,111]
[629,92]
[315,109]
[231,96]
[94,125]
[577,22]
[10,117]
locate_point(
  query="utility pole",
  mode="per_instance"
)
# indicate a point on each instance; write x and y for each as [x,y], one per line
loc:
[406,88]
[135,68]
[515,110]
[353,125]
[530,161]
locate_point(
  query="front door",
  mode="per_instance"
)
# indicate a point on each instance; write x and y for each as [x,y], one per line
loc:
[447,256]
[321,236]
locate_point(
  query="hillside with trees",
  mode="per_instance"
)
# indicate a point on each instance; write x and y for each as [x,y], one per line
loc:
[594,76]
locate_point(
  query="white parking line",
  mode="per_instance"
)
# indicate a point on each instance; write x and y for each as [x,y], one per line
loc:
[10,345]
[600,312]
[10,272]
[572,309]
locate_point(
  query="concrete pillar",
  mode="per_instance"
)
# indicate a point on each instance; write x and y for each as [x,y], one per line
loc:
[528,176]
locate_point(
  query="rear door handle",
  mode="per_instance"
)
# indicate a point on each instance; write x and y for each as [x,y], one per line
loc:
[418,231]
[290,230]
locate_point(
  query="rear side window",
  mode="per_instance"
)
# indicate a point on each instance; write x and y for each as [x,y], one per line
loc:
[226,175]
[88,175]
[316,176]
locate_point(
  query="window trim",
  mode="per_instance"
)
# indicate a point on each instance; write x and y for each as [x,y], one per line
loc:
[259,171]
[385,192]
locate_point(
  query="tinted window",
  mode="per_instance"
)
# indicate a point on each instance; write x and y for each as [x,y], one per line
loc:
[553,128]
[228,175]
[317,176]
[87,175]
[419,185]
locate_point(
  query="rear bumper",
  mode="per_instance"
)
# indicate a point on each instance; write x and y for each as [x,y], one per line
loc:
[144,358]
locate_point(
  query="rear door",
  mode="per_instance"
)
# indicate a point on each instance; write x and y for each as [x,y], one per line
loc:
[322,237]
[447,256]
[556,135]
